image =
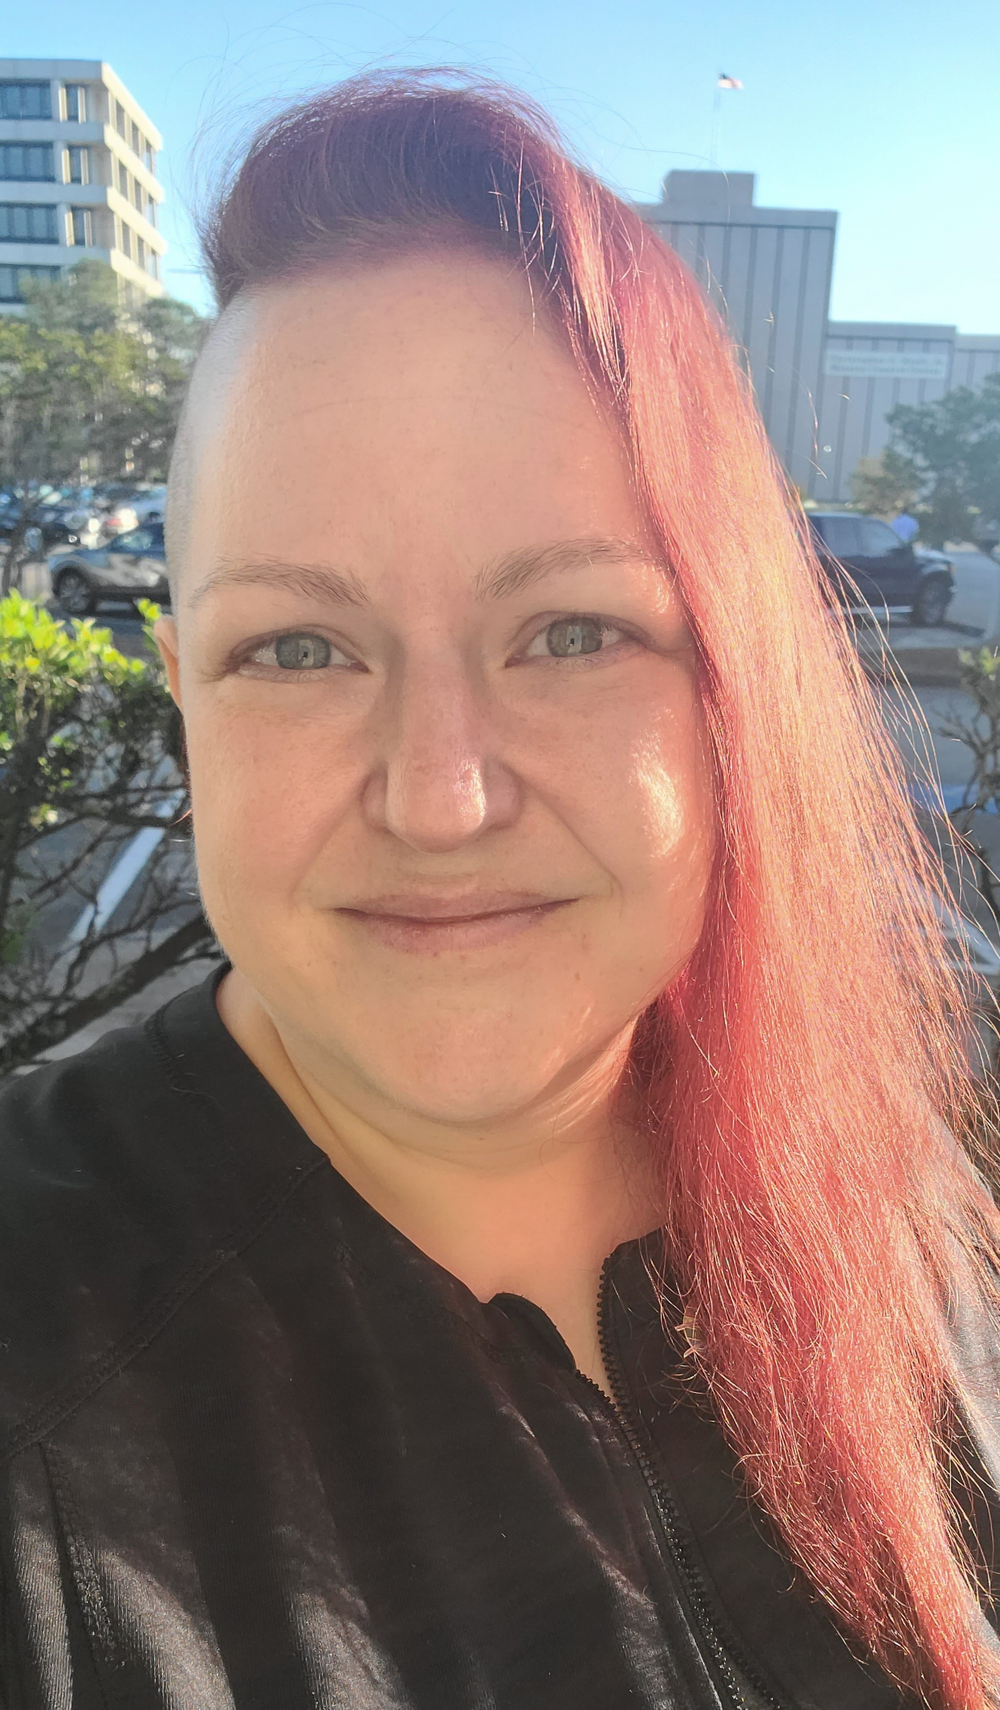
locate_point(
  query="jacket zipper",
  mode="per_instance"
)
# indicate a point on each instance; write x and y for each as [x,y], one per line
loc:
[669,1518]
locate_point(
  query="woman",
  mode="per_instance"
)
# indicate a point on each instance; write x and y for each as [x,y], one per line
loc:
[538,1270]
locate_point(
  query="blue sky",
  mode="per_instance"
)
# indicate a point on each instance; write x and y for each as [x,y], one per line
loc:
[886,110]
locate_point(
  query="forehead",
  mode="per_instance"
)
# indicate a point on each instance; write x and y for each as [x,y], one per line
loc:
[385,405]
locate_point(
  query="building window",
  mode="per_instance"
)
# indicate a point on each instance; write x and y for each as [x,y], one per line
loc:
[25,101]
[154,264]
[82,226]
[140,253]
[120,121]
[148,156]
[123,180]
[126,242]
[138,194]
[25,222]
[78,166]
[136,139]
[75,97]
[28,162]
[11,277]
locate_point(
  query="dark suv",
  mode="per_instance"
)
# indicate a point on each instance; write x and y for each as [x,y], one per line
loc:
[885,571]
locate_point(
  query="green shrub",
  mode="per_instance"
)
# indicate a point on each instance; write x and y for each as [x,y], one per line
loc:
[90,751]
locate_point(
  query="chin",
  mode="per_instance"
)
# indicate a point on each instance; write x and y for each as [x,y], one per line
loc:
[464,1083]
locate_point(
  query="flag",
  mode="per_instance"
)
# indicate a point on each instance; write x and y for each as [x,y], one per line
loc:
[729,82]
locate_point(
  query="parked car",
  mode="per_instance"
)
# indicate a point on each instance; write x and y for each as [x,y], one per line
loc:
[54,522]
[140,505]
[131,567]
[69,518]
[885,571]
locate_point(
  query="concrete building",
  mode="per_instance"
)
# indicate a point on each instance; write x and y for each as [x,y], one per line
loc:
[768,271]
[77,177]
[871,366]
[823,387]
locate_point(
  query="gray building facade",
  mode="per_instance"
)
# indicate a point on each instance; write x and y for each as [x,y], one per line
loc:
[823,387]
[77,177]
[768,271]
[871,366]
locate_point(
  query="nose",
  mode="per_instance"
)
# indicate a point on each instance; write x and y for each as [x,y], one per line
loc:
[438,782]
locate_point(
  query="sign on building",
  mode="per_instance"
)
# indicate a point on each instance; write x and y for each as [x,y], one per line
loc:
[887,364]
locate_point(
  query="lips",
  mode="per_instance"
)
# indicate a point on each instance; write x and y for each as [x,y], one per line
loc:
[432,925]
[454,908]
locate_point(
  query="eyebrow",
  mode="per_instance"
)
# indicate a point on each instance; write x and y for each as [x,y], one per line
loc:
[498,580]
[519,569]
[316,581]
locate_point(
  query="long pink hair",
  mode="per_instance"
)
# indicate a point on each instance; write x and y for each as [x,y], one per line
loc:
[805,1075]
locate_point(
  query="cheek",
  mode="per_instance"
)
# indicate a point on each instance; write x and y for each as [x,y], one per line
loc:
[673,804]
[652,826]
[636,784]
[265,796]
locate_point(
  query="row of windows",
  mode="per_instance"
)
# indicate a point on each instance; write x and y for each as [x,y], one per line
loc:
[22,222]
[130,133]
[25,100]
[137,249]
[34,101]
[135,192]
[11,277]
[30,161]
[35,163]
[25,222]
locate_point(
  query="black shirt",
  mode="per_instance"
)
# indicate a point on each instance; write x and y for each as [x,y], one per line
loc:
[261,1452]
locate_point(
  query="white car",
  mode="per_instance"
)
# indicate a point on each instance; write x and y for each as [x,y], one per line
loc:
[144,507]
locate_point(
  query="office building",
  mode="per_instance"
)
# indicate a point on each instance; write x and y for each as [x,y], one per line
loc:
[871,366]
[824,388]
[77,177]
[768,272]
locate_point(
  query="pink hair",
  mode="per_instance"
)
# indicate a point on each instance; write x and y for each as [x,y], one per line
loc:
[805,1074]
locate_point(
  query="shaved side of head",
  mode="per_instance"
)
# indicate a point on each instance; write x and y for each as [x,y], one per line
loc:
[215,373]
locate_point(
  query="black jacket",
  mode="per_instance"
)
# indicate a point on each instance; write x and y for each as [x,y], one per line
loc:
[261,1452]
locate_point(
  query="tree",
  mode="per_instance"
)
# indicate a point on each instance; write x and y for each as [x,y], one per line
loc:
[52,382]
[885,485]
[97,895]
[87,382]
[84,299]
[137,435]
[954,447]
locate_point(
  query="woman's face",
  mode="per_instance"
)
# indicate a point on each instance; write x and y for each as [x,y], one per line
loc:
[452,800]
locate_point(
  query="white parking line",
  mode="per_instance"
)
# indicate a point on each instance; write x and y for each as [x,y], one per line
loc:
[123,874]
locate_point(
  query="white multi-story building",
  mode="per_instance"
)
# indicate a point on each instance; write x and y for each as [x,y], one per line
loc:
[77,177]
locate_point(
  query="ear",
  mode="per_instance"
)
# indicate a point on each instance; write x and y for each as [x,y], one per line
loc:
[165,636]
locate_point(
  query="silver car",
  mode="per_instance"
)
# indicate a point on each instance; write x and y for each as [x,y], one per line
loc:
[131,567]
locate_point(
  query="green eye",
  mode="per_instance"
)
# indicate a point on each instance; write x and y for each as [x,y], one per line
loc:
[569,636]
[302,652]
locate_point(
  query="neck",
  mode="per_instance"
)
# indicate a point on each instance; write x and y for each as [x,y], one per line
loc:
[530,1205]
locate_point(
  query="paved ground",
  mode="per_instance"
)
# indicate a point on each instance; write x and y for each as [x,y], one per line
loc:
[137,1008]
[975,603]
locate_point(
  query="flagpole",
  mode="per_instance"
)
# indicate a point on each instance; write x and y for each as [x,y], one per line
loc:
[716,105]
[723,81]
